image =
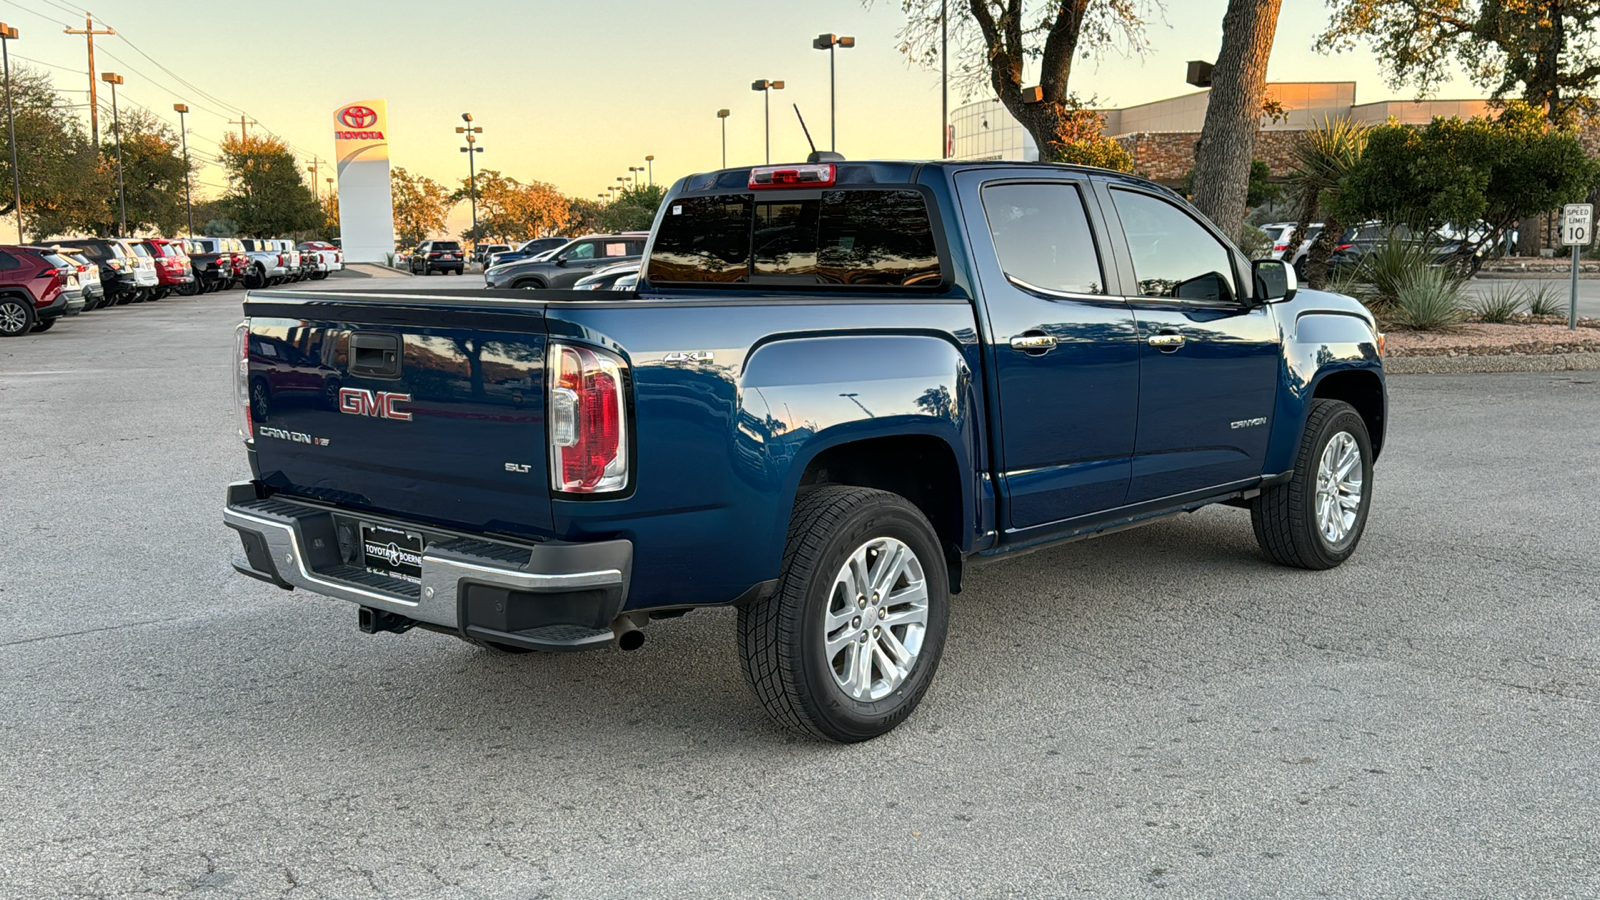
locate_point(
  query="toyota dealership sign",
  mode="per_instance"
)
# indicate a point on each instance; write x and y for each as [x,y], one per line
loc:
[366,208]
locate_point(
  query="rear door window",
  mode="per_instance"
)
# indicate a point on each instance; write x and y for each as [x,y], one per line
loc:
[1042,236]
[880,238]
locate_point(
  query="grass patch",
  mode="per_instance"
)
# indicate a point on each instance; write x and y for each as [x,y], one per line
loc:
[1545,300]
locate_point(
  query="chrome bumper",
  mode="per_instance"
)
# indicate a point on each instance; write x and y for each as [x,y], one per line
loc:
[298,549]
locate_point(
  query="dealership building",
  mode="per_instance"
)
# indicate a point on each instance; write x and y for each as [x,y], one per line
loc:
[1161,135]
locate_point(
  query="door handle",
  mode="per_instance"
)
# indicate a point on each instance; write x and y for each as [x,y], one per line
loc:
[1033,343]
[1166,342]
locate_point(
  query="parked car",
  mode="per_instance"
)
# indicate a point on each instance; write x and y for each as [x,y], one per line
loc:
[573,261]
[325,258]
[114,260]
[481,253]
[174,272]
[606,279]
[35,289]
[527,250]
[835,390]
[437,256]
[94,295]
[147,278]
[212,263]
[268,265]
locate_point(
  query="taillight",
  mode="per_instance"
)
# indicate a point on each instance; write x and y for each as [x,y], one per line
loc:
[587,421]
[241,381]
[1279,248]
[283,259]
[813,175]
[1343,247]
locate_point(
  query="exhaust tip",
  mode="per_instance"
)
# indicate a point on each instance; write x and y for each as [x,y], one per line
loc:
[628,635]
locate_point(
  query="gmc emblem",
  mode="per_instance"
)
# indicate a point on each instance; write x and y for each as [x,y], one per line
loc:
[380,404]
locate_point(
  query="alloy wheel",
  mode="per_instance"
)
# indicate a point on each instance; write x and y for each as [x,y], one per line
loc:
[1339,488]
[876,618]
[13,318]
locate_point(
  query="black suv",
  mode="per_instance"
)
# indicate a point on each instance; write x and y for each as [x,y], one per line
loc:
[576,260]
[115,259]
[438,256]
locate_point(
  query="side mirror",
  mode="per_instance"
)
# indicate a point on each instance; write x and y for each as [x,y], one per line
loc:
[561,261]
[1275,281]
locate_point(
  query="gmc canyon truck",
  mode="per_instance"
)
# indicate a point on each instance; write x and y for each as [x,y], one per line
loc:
[836,386]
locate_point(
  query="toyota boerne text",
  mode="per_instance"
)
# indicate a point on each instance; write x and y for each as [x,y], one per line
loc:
[834,388]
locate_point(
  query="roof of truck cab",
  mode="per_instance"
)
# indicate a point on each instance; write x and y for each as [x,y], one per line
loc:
[882,171]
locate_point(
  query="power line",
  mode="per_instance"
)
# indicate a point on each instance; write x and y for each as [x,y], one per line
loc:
[37,13]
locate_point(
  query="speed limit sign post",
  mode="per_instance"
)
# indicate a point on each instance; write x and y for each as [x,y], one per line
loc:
[1577,231]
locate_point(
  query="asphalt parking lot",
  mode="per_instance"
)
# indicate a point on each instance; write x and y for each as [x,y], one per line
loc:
[1157,713]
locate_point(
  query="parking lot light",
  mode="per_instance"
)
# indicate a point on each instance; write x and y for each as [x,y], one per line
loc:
[7,35]
[471,150]
[723,115]
[828,42]
[766,88]
[182,110]
[114,79]
[651,162]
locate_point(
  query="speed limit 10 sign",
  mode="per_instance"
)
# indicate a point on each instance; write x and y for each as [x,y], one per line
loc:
[1577,224]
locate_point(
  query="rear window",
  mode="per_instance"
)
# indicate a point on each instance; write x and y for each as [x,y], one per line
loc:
[446,245]
[140,250]
[859,238]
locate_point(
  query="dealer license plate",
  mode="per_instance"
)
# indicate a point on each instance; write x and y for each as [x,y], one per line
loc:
[397,554]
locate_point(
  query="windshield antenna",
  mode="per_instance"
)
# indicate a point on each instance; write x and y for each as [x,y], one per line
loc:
[804,128]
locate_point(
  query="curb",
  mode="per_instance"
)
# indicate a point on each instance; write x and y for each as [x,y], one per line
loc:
[1510,362]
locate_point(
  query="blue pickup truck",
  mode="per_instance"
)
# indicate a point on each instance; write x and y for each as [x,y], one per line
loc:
[836,386]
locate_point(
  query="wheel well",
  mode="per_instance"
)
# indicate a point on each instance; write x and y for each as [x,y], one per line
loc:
[1362,390]
[920,468]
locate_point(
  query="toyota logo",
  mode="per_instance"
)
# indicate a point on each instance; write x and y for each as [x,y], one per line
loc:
[358,116]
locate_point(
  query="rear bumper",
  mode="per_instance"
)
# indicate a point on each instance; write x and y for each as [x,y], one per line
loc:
[60,306]
[543,595]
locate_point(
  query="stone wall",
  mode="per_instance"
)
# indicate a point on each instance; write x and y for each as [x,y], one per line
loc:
[1168,156]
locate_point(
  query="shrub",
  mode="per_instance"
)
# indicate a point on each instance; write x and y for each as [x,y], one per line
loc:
[1545,300]
[1390,263]
[1427,299]
[1501,303]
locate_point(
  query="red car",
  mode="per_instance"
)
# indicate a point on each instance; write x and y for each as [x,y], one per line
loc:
[33,291]
[172,265]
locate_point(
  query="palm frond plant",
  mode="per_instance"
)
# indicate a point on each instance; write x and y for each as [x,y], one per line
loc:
[1545,300]
[1500,304]
[1323,156]
[1426,299]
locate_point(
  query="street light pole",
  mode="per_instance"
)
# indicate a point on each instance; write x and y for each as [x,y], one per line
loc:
[182,109]
[471,150]
[723,115]
[944,78]
[766,88]
[114,79]
[7,35]
[828,42]
[651,162]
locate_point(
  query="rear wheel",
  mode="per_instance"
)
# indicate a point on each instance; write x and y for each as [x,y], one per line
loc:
[16,317]
[255,279]
[188,290]
[43,325]
[1315,520]
[848,644]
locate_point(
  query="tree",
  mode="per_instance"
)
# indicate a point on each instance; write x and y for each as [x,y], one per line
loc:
[634,208]
[64,184]
[267,194]
[996,37]
[1081,140]
[1260,189]
[1324,156]
[421,206]
[1543,51]
[583,216]
[509,210]
[1233,116]
[153,173]
[1453,172]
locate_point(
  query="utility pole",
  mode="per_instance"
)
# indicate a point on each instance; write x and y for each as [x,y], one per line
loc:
[471,150]
[944,77]
[114,79]
[188,203]
[7,35]
[88,31]
[244,122]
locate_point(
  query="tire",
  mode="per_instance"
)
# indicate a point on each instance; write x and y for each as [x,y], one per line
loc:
[1286,517]
[783,638]
[16,317]
[43,325]
[255,279]
[191,289]
[531,284]
[319,276]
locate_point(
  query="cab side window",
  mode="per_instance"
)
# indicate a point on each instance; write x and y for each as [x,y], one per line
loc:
[1042,237]
[1173,255]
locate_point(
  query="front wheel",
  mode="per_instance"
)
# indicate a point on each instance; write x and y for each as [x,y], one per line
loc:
[847,645]
[1315,520]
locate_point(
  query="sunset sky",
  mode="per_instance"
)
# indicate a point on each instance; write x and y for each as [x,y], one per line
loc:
[574,93]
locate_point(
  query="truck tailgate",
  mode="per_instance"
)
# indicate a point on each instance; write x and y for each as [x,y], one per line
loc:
[426,406]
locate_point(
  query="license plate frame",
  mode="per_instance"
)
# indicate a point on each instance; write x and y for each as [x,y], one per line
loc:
[391,552]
